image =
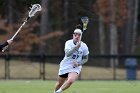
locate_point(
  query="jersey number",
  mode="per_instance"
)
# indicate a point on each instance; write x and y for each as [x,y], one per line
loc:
[75,56]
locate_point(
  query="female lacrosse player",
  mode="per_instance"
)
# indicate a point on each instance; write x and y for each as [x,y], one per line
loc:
[5,45]
[76,54]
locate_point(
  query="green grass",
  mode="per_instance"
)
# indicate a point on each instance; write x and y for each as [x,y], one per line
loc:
[36,86]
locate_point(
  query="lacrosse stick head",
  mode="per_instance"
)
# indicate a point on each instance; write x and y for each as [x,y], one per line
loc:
[85,21]
[34,9]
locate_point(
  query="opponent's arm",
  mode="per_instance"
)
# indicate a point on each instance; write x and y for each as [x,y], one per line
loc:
[4,46]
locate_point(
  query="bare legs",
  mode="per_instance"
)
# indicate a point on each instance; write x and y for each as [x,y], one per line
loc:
[59,83]
[62,85]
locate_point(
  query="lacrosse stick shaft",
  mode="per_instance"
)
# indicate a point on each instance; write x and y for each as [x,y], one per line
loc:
[18,30]
[81,37]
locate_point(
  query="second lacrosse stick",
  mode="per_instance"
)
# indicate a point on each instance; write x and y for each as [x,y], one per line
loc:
[34,9]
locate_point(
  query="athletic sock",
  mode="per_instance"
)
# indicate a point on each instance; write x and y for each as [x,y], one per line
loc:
[54,91]
[59,90]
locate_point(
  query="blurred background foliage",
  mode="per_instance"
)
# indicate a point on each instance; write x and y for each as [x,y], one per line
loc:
[113,26]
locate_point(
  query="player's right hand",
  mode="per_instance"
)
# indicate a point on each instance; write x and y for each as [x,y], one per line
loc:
[78,44]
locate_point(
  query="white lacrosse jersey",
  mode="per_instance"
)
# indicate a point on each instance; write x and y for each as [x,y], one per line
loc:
[66,64]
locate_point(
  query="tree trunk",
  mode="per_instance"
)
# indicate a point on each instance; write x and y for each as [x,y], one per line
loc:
[101,35]
[113,34]
[65,13]
[44,23]
[10,11]
[135,26]
[131,27]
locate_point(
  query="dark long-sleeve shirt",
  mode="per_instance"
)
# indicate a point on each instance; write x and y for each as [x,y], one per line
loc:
[3,45]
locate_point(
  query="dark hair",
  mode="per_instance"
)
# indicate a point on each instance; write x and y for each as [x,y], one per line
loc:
[79,26]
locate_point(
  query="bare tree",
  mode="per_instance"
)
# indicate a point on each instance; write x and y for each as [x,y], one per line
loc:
[113,34]
[135,25]
[101,35]
[44,22]
[66,12]
[131,26]
[10,11]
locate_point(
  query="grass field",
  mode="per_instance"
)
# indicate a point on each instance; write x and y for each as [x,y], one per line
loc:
[36,86]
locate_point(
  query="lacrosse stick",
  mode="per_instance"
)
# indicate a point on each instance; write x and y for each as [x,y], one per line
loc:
[34,9]
[85,21]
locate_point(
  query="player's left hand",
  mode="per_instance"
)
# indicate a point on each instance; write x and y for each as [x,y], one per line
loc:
[75,64]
